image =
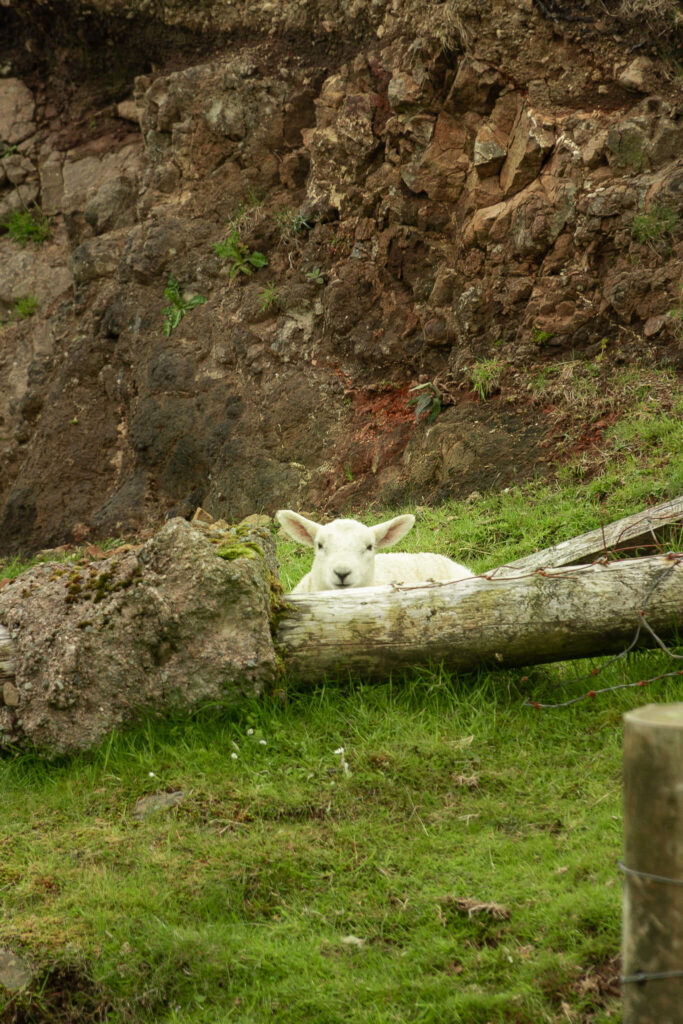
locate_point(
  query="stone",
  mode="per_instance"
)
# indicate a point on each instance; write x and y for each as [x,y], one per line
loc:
[540,213]
[18,168]
[441,170]
[127,110]
[183,621]
[15,974]
[506,112]
[609,200]
[489,151]
[34,270]
[17,108]
[154,803]
[403,92]
[637,76]
[531,143]
[83,177]
[18,199]
[476,87]
[258,519]
[10,695]
[51,185]
[113,206]
[593,150]
[96,258]
[654,324]
[627,142]
[479,231]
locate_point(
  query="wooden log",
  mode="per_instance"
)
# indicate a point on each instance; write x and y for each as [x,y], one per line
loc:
[637,532]
[543,616]
[652,938]
[549,615]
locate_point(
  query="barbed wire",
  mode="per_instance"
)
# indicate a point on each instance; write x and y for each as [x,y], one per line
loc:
[676,558]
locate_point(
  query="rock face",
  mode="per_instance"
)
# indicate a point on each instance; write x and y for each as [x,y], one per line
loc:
[430,186]
[183,620]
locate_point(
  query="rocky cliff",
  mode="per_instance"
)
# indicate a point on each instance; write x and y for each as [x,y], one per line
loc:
[266,223]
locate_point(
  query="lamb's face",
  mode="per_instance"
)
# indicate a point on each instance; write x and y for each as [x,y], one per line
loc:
[344,549]
[344,556]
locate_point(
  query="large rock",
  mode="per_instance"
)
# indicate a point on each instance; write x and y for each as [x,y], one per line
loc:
[442,169]
[182,621]
[531,143]
[16,111]
[84,177]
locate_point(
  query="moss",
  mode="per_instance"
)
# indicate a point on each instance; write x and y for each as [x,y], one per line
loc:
[248,549]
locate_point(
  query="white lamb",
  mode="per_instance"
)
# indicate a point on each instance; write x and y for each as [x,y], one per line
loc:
[345,554]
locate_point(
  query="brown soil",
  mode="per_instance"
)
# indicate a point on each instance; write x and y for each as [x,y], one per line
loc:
[411,261]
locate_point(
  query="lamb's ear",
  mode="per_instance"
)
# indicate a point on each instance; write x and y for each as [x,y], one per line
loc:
[388,533]
[298,528]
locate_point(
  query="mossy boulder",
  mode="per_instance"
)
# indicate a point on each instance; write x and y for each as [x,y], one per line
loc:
[181,621]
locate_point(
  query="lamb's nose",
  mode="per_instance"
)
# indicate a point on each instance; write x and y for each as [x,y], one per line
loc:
[342,576]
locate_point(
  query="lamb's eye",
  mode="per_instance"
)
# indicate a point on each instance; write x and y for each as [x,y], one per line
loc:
[369,547]
[320,545]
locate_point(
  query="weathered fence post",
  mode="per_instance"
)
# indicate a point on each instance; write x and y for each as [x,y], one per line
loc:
[652,941]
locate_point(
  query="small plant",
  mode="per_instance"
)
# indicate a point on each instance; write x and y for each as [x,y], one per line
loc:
[661,221]
[290,223]
[252,202]
[268,296]
[25,307]
[427,403]
[178,307]
[24,226]
[243,261]
[485,377]
[316,276]
[539,337]
[339,245]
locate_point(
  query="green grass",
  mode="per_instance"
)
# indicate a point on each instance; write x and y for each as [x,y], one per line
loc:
[659,222]
[485,376]
[25,307]
[12,567]
[285,888]
[26,225]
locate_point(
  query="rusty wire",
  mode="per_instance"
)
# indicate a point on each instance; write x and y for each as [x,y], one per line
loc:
[676,559]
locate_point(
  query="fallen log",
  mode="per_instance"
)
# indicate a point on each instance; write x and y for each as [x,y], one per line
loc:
[196,616]
[542,616]
[639,532]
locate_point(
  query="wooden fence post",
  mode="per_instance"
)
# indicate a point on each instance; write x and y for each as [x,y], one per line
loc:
[652,939]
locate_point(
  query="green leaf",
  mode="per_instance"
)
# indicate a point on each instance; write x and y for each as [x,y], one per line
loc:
[435,410]
[257,259]
[424,402]
[172,291]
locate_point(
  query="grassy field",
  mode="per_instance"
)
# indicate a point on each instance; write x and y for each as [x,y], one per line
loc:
[427,850]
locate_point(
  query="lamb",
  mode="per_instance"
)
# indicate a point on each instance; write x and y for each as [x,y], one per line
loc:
[345,554]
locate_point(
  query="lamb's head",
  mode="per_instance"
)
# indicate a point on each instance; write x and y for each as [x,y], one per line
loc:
[344,549]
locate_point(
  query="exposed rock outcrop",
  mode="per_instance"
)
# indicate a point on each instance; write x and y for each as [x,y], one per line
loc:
[430,187]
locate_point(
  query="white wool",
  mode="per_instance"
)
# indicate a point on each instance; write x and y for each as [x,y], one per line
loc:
[345,554]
